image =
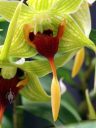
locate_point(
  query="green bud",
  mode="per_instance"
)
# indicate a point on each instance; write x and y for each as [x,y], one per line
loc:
[8,72]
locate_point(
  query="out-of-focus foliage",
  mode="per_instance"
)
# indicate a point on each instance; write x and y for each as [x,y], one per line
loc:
[93,35]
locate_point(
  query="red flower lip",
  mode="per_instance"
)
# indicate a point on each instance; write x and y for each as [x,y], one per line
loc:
[45,43]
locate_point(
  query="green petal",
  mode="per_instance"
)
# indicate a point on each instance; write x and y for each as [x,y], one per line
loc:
[19,47]
[74,38]
[34,90]
[10,33]
[56,6]
[83,18]
[66,6]
[7,9]
[41,4]
[42,67]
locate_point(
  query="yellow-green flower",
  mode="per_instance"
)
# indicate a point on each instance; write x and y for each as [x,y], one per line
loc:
[42,15]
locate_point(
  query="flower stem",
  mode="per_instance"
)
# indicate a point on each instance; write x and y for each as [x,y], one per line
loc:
[0,126]
[18,114]
[95,80]
[92,114]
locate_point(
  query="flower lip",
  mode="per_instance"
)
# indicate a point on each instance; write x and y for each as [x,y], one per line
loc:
[31,36]
[48,32]
[45,43]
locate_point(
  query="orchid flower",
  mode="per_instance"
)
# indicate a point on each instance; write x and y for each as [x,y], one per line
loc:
[11,84]
[47,29]
[10,81]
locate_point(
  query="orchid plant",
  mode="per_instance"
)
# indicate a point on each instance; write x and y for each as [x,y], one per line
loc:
[42,36]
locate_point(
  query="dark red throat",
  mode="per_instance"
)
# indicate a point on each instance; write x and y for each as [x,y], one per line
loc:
[5,87]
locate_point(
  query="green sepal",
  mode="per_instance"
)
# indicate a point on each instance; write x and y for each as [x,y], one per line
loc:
[10,33]
[34,90]
[74,38]
[83,18]
[7,8]
[42,67]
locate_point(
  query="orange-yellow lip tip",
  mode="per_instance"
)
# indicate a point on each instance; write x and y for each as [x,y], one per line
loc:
[55,119]
[73,75]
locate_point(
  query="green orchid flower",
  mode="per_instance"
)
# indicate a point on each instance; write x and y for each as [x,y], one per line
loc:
[46,19]
[10,82]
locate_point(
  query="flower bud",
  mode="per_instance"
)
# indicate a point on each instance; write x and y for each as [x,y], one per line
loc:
[8,72]
[79,59]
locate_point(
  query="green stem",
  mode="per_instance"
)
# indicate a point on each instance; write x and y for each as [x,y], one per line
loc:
[95,80]
[92,114]
[83,105]
[18,114]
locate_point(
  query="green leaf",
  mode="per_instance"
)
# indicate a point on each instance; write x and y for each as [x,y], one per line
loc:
[74,38]
[68,113]
[3,27]
[6,123]
[91,110]
[34,90]
[69,103]
[66,75]
[93,35]
[83,18]
[86,124]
